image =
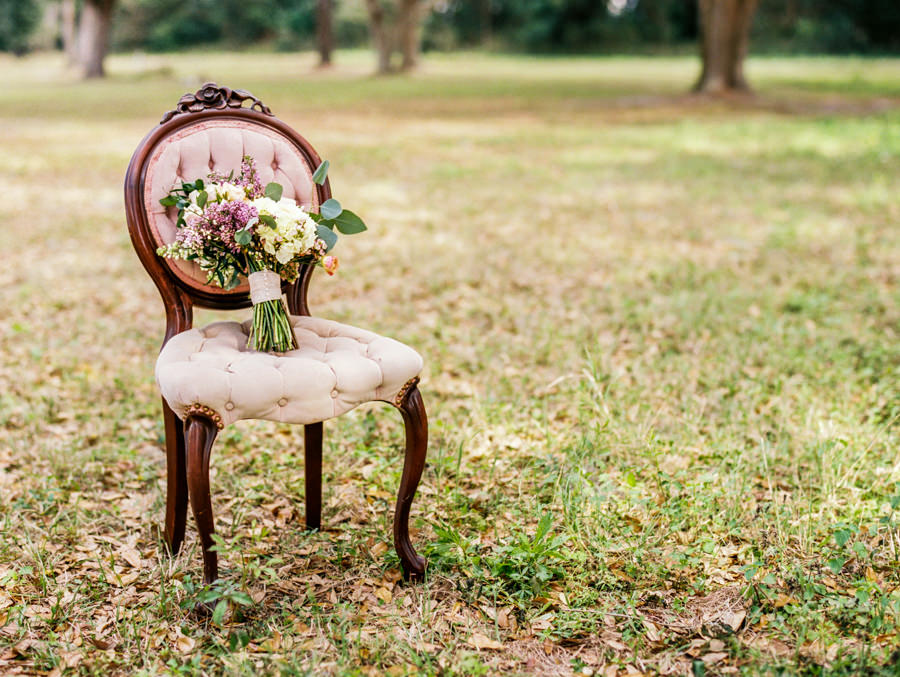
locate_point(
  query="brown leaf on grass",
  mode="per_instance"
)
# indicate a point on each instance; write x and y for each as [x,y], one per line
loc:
[131,556]
[713,658]
[480,641]
[124,579]
[736,619]
[100,643]
[185,644]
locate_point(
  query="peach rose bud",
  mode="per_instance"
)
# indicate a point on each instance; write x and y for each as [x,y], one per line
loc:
[330,264]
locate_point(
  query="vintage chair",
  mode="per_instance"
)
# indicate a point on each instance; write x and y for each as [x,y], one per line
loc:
[208,377]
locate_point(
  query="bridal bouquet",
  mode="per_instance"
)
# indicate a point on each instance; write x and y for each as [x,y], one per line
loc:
[233,226]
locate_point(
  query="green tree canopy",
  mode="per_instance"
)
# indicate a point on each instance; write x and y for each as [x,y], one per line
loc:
[18,19]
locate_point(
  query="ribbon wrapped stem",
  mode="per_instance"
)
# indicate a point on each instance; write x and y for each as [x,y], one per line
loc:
[271,330]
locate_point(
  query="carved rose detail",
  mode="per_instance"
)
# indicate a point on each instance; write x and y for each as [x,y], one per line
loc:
[211,96]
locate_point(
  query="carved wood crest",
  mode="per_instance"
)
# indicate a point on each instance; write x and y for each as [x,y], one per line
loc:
[210,95]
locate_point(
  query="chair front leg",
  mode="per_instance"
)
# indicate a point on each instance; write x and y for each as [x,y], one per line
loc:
[176,480]
[312,449]
[416,422]
[200,433]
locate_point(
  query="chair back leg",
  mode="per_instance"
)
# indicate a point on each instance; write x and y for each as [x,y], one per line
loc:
[416,422]
[312,449]
[176,481]
[200,433]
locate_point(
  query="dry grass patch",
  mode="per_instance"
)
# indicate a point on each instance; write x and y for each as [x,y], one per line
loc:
[661,340]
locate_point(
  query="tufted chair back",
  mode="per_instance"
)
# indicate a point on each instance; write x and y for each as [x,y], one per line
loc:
[211,131]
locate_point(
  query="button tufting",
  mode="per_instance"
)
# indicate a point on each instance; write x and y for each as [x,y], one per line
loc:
[209,365]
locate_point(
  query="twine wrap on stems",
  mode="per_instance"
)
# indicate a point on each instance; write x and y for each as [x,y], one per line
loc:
[271,329]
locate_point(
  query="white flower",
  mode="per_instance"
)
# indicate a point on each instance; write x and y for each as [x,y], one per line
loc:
[229,192]
[266,205]
[284,255]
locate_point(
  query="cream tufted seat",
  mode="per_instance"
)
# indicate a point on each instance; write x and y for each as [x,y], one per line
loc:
[335,368]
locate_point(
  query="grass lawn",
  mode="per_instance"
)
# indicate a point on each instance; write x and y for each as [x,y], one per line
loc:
[662,346]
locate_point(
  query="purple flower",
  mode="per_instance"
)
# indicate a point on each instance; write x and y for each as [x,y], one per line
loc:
[216,227]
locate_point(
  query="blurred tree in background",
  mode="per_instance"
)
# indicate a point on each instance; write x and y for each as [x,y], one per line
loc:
[724,41]
[395,26]
[325,30]
[540,26]
[18,19]
[93,35]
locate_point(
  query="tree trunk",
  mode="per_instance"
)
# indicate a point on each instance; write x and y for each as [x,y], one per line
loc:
[484,16]
[93,36]
[382,41]
[724,38]
[67,29]
[408,24]
[324,31]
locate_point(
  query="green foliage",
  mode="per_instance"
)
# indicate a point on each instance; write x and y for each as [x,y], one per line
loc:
[274,191]
[576,26]
[167,25]
[18,19]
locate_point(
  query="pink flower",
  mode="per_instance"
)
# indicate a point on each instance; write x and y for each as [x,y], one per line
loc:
[330,264]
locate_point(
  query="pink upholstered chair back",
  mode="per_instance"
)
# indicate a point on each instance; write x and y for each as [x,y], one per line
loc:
[210,131]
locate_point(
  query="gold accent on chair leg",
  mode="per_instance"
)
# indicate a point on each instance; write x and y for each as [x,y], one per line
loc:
[198,409]
[401,396]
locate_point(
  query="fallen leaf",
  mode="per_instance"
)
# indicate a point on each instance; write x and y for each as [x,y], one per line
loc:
[131,556]
[713,658]
[737,619]
[480,641]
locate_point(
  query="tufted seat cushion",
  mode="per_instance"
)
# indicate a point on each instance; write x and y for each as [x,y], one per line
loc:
[335,368]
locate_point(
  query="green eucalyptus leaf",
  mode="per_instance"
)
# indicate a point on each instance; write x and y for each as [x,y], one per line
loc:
[202,197]
[327,235]
[330,209]
[243,237]
[198,184]
[321,172]
[274,191]
[349,223]
[268,220]
[169,201]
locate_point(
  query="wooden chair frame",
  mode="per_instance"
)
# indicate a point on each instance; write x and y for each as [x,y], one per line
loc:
[189,442]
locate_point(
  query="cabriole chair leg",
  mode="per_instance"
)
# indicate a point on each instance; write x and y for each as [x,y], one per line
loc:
[416,422]
[199,433]
[312,449]
[176,481]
